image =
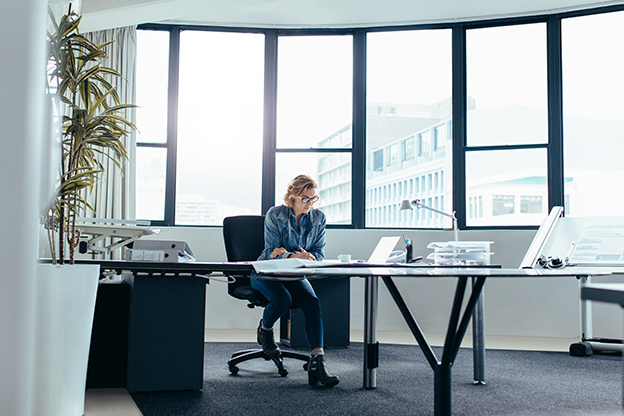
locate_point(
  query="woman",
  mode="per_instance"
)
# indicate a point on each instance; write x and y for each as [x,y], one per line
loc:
[295,230]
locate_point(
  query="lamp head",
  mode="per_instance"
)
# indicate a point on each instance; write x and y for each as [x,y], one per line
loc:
[406,204]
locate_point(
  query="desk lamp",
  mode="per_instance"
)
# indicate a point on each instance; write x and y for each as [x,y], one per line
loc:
[407,204]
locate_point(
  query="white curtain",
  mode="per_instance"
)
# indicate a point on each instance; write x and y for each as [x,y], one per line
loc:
[112,197]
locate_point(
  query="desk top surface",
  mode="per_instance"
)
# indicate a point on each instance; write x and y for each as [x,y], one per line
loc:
[416,270]
[166,267]
[432,271]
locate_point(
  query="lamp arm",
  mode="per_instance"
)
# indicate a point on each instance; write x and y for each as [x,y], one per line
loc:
[418,204]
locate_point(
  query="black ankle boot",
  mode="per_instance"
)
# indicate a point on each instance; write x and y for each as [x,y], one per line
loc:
[317,372]
[266,339]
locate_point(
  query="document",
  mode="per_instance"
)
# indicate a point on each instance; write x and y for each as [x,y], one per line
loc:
[599,244]
[272,266]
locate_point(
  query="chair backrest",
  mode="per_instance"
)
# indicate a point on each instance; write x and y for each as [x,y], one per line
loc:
[243,236]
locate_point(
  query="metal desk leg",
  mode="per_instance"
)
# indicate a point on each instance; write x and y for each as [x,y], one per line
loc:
[585,310]
[371,346]
[478,339]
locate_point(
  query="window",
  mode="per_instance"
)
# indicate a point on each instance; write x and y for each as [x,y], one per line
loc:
[219,163]
[425,144]
[408,95]
[593,113]
[531,204]
[506,106]
[393,154]
[219,115]
[503,204]
[151,180]
[440,137]
[408,149]
[274,103]
[506,78]
[501,172]
[152,93]
[314,111]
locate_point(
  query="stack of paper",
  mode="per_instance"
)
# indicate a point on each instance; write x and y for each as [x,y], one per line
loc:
[460,252]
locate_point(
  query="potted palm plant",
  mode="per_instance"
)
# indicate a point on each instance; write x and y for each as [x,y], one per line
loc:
[93,129]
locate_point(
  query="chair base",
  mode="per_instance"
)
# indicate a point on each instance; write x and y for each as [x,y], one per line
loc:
[246,355]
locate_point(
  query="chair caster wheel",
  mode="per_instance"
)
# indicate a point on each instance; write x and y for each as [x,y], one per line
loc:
[233,369]
[283,372]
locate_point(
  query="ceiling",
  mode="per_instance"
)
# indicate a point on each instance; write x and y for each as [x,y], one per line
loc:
[105,14]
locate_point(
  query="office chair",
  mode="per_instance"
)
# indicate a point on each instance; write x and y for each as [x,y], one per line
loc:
[244,241]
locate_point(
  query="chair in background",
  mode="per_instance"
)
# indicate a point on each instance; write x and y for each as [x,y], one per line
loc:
[244,241]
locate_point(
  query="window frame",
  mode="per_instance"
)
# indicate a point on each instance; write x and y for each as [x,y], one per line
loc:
[458,127]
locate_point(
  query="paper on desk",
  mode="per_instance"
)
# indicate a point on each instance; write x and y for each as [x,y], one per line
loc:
[270,266]
[267,266]
[461,245]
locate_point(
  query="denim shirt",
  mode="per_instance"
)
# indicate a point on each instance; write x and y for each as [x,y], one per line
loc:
[281,230]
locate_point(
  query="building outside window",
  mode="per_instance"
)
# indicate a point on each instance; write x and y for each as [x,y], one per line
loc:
[503,204]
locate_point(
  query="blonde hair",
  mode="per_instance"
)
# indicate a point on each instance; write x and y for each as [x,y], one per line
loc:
[297,187]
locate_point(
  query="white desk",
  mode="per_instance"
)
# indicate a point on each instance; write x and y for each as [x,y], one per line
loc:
[458,321]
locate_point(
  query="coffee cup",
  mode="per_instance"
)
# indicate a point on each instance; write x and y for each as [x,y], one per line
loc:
[344,258]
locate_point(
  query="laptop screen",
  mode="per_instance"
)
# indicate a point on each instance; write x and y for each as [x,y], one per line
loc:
[385,246]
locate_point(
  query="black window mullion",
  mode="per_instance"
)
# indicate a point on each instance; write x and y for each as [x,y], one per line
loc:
[459,124]
[314,150]
[505,147]
[358,158]
[270,121]
[172,125]
[555,114]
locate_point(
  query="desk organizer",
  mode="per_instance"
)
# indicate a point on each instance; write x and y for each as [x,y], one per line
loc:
[460,252]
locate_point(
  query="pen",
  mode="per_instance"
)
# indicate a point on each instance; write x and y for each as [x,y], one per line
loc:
[302,249]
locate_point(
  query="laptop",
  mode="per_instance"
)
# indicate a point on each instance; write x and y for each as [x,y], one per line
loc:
[384,248]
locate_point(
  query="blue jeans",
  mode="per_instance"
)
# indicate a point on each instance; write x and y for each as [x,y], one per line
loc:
[299,293]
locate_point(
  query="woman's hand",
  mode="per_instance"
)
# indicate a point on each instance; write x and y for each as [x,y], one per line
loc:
[278,252]
[302,255]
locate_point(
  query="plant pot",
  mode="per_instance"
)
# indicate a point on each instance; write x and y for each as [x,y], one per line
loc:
[64,319]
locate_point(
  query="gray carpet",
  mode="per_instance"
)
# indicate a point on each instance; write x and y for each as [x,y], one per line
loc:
[518,383]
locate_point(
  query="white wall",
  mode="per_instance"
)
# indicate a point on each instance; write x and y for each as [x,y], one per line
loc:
[21,101]
[531,307]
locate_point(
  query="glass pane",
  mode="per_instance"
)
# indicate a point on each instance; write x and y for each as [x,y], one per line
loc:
[593,114]
[152,85]
[219,164]
[506,187]
[408,127]
[332,173]
[314,90]
[507,85]
[150,183]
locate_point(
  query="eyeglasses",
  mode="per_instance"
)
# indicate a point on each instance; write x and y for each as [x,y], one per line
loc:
[306,199]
